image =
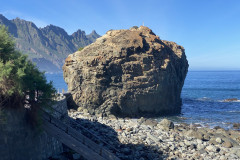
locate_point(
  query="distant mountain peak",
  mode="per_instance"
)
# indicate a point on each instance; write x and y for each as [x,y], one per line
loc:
[17,18]
[79,32]
[54,28]
[1,16]
[93,35]
[21,20]
[18,21]
[93,32]
[47,46]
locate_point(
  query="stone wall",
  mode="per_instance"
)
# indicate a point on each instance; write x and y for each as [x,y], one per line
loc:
[20,140]
[59,109]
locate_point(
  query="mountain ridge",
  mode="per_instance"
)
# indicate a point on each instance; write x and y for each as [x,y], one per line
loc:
[48,46]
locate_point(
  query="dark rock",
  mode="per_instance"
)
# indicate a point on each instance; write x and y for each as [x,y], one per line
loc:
[160,152]
[128,73]
[236,125]
[217,127]
[197,125]
[193,146]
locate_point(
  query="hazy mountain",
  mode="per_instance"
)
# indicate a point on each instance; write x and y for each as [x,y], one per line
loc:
[49,46]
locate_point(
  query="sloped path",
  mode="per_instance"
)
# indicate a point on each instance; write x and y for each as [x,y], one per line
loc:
[75,140]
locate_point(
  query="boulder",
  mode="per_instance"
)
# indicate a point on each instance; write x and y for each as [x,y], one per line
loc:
[195,134]
[236,125]
[166,124]
[227,144]
[230,100]
[211,148]
[150,122]
[219,140]
[128,73]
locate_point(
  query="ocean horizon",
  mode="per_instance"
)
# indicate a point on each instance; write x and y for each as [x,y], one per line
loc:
[203,96]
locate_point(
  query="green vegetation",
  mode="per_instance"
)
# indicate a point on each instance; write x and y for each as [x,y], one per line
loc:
[20,80]
[81,48]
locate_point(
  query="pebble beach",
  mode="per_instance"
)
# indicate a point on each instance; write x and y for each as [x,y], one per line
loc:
[145,139]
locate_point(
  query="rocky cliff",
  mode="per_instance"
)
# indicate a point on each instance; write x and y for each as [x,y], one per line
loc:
[127,73]
[49,46]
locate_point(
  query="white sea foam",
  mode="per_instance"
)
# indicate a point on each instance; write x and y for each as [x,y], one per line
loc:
[204,99]
[234,111]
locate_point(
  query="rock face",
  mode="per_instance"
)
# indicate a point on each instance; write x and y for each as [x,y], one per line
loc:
[48,47]
[127,73]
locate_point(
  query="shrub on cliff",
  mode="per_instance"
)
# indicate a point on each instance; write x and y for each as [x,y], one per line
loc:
[20,80]
[81,48]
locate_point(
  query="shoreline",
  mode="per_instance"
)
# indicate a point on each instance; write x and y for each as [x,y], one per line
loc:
[143,139]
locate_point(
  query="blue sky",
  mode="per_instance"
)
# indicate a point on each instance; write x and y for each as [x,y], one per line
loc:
[209,30]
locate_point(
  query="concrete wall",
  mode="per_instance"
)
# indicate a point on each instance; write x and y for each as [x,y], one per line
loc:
[20,141]
[59,109]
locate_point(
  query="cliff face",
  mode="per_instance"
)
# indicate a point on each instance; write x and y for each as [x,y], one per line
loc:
[48,45]
[127,73]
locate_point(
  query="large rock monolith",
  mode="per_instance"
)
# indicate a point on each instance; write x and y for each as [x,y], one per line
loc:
[127,73]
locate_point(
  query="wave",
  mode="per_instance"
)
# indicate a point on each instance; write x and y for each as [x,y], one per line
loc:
[224,101]
[233,111]
[207,99]
[211,89]
[197,100]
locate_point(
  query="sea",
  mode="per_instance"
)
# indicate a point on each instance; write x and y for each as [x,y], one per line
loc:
[203,96]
